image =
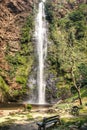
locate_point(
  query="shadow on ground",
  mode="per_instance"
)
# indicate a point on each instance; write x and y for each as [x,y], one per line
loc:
[18,126]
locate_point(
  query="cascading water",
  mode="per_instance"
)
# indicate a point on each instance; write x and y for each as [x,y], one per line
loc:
[37,85]
[41,45]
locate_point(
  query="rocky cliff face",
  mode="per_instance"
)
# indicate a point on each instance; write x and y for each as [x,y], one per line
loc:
[13,14]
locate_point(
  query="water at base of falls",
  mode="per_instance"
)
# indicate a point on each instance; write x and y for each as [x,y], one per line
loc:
[41,49]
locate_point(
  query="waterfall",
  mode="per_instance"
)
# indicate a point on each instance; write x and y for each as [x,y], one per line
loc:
[41,46]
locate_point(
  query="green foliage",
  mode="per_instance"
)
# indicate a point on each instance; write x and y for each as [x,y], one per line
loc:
[76,15]
[63,92]
[74,96]
[3,86]
[27,30]
[29,107]
[75,121]
[16,60]
[49,11]
[21,61]
[65,23]
[21,80]
[29,117]
[79,21]
[68,48]
[4,90]
[83,69]
[68,123]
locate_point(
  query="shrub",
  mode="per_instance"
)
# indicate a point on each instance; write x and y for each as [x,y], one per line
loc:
[29,107]
[27,30]
[76,16]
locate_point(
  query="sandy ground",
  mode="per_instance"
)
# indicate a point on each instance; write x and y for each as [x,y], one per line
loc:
[20,120]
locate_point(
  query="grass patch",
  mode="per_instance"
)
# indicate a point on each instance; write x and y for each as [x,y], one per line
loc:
[69,122]
[75,96]
[29,117]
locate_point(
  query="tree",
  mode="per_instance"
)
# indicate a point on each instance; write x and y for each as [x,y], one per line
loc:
[76,85]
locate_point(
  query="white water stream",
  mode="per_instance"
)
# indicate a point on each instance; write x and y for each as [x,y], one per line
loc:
[41,44]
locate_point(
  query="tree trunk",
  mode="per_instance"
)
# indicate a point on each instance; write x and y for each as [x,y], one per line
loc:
[79,97]
[75,85]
